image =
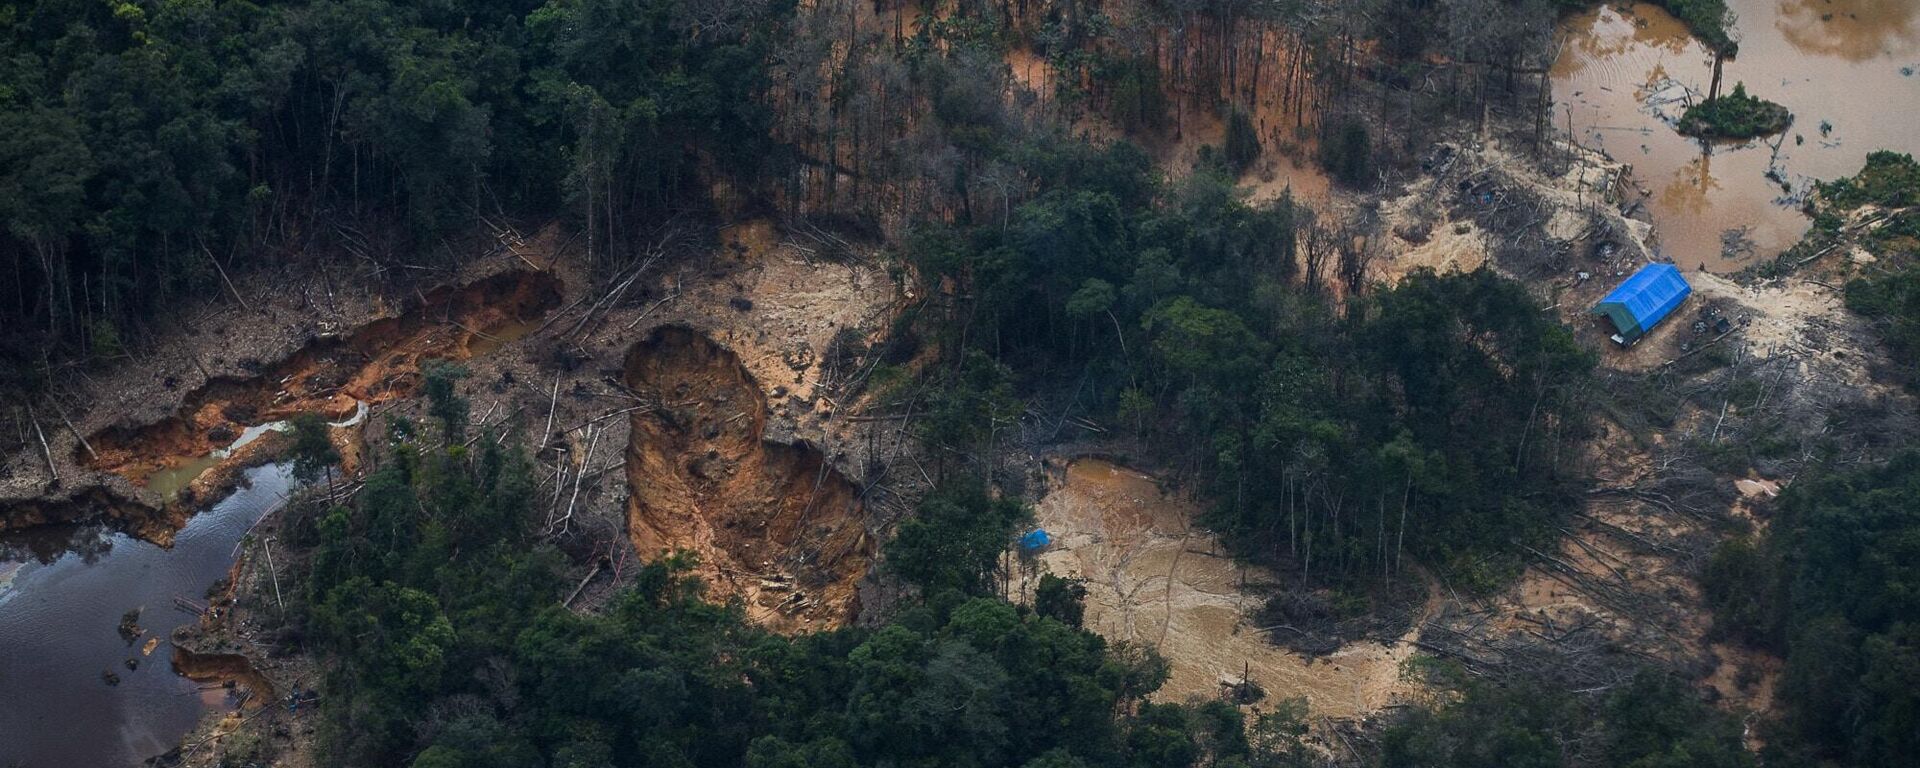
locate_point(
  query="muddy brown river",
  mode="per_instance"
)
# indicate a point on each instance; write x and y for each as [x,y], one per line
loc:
[1849,70]
[63,590]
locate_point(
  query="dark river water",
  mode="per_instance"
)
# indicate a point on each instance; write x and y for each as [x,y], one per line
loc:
[63,590]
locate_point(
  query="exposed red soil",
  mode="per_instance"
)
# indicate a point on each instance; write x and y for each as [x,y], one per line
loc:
[225,668]
[378,362]
[771,523]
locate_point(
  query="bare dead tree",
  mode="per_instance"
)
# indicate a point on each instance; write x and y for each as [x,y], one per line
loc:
[1358,248]
[1320,245]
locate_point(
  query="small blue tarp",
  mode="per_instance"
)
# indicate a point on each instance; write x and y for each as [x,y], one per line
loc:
[1036,539]
[1645,299]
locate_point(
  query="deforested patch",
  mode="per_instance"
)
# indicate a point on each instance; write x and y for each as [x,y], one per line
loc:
[1154,578]
[335,377]
[771,523]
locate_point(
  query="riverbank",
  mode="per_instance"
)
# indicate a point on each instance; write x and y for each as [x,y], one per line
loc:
[777,306]
[67,473]
[71,585]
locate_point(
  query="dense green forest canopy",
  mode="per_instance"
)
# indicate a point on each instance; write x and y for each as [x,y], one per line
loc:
[1438,415]
[1652,721]
[432,598]
[1832,587]
[1345,432]
[141,143]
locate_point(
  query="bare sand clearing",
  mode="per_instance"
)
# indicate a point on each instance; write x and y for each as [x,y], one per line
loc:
[1155,579]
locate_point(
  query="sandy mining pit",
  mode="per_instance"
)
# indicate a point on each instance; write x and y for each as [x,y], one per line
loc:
[1156,579]
[334,376]
[771,523]
[224,671]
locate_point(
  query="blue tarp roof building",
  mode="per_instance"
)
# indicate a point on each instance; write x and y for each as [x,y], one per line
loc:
[1036,539]
[1645,299]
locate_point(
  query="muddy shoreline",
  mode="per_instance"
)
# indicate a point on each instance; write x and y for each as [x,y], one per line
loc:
[71,585]
[765,308]
[144,419]
[1841,67]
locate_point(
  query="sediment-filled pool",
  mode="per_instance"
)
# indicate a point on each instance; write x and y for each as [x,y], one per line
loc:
[1849,70]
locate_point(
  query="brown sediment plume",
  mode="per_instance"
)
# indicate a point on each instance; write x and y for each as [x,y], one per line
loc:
[1626,73]
[773,524]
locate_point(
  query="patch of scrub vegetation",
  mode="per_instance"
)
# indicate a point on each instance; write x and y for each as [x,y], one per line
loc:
[1889,180]
[1243,142]
[1647,720]
[1136,100]
[1710,20]
[1831,586]
[1735,116]
[1891,303]
[1346,151]
[1889,294]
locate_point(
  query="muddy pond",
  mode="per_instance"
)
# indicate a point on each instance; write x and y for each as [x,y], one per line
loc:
[63,592]
[1155,578]
[1849,70]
